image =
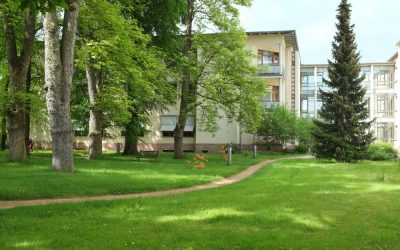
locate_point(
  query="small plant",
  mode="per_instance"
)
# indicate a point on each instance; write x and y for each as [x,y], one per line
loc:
[246,153]
[199,161]
[381,152]
[222,152]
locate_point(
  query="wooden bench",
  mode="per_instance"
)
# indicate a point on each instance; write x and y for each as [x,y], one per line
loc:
[147,154]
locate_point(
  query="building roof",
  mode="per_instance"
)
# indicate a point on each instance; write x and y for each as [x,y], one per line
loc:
[394,57]
[323,65]
[290,36]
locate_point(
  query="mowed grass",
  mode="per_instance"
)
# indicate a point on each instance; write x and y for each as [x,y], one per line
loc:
[113,174]
[292,204]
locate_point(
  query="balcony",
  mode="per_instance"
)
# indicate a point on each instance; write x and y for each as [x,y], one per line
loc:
[268,104]
[271,70]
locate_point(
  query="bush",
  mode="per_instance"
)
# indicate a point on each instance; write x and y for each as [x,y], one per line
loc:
[235,147]
[301,148]
[381,152]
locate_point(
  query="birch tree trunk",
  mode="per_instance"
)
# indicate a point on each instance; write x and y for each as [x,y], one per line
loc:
[93,77]
[58,78]
[18,68]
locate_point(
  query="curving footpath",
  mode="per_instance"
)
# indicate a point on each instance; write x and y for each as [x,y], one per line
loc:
[216,184]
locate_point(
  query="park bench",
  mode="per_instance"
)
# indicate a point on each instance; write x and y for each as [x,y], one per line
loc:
[147,154]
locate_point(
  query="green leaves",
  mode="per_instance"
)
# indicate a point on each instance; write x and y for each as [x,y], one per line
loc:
[133,74]
[342,133]
[279,125]
[226,80]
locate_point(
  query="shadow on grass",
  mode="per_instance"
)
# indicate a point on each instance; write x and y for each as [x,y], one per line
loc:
[282,207]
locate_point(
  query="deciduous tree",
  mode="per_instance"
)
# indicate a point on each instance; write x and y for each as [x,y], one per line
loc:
[19,56]
[279,125]
[216,69]
[59,60]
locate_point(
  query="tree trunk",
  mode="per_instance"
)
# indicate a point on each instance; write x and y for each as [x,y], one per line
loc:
[28,109]
[18,68]
[16,122]
[93,77]
[185,88]
[3,138]
[3,134]
[131,136]
[131,144]
[58,79]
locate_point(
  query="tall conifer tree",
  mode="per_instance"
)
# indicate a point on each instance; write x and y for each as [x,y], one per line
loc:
[343,128]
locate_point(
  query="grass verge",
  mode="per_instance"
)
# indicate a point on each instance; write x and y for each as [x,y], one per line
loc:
[293,204]
[113,174]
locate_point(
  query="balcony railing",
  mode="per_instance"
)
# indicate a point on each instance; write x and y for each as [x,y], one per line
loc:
[269,104]
[271,70]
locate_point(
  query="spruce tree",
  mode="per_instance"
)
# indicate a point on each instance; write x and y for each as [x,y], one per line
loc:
[342,130]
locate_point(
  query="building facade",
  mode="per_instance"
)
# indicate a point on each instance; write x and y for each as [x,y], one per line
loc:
[278,50]
[382,88]
[290,84]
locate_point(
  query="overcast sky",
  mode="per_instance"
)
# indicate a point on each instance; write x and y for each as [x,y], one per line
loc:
[377,25]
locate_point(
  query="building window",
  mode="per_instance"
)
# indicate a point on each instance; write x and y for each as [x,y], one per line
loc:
[383,76]
[267,58]
[384,105]
[384,131]
[367,72]
[307,92]
[168,124]
[272,97]
[168,133]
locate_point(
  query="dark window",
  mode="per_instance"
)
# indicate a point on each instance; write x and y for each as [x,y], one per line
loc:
[168,133]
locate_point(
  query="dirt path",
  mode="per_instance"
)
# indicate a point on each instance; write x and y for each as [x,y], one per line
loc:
[220,183]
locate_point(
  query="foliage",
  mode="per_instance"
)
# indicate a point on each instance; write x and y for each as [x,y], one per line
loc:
[301,148]
[342,132]
[158,18]
[226,80]
[304,129]
[216,71]
[133,77]
[235,147]
[279,125]
[381,152]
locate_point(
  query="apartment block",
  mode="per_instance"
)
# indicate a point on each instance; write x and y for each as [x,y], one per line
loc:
[382,88]
[278,50]
[290,84]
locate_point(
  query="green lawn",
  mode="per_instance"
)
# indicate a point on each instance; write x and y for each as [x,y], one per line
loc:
[294,204]
[112,174]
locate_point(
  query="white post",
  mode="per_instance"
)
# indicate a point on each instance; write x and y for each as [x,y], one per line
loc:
[255,151]
[229,159]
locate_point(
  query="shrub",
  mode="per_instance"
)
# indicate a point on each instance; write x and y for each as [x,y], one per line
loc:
[246,153]
[235,147]
[381,152]
[301,148]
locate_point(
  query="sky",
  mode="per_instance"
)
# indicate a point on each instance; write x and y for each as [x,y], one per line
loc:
[377,25]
